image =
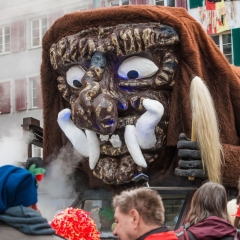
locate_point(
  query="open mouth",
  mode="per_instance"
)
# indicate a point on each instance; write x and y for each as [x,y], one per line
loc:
[135,139]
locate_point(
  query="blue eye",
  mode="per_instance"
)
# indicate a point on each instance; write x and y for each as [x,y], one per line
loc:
[137,68]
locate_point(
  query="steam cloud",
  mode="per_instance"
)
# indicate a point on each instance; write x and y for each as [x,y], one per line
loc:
[13,146]
[56,190]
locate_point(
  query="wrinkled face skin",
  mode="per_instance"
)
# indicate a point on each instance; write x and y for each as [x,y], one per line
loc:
[125,227]
[111,76]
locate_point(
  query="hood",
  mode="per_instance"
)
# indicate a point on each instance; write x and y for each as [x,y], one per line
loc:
[26,220]
[211,228]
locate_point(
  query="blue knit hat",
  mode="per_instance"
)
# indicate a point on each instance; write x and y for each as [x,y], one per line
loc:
[17,187]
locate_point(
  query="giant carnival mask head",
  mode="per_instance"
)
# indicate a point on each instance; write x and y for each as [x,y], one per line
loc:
[123,76]
[118,82]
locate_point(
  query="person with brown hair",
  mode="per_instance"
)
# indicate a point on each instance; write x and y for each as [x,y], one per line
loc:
[139,214]
[208,217]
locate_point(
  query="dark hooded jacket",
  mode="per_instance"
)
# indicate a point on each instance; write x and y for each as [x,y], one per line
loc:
[212,228]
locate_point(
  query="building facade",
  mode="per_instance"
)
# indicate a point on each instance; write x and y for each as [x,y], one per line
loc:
[23,24]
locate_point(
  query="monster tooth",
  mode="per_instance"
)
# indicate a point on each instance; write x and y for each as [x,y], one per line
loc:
[115,141]
[94,148]
[75,135]
[104,137]
[133,146]
[146,124]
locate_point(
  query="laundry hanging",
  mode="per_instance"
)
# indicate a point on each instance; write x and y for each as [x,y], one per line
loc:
[217,19]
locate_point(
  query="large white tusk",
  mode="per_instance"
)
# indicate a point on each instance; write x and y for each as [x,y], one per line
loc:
[146,124]
[94,148]
[75,135]
[133,146]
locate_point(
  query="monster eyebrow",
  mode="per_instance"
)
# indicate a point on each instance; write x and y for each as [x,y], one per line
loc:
[121,40]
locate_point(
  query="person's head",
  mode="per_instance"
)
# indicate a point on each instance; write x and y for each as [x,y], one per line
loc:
[17,188]
[209,200]
[236,216]
[106,217]
[137,212]
[232,208]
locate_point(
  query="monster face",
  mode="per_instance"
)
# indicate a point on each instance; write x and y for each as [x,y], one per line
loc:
[118,81]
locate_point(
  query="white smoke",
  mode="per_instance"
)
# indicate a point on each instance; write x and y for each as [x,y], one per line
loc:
[13,146]
[56,190]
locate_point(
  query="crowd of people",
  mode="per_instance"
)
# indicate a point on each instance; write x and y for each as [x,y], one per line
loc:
[138,213]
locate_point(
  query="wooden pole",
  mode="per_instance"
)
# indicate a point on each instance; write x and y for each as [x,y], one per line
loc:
[193,139]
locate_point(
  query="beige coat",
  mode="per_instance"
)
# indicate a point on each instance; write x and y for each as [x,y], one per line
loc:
[9,233]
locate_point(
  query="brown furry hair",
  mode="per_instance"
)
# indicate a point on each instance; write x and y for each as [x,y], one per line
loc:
[198,54]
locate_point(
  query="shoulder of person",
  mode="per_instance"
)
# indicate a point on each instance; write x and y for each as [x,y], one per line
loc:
[182,233]
[9,233]
[169,235]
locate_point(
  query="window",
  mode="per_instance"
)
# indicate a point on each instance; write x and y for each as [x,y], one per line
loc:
[36,151]
[38,29]
[170,3]
[119,3]
[224,42]
[35,92]
[5,39]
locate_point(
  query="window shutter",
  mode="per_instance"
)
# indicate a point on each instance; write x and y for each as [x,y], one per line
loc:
[39,92]
[18,36]
[14,33]
[195,3]
[181,3]
[184,4]
[236,46]
[20,94]
[22,35]
[5,97]
[52,17]
[139,2]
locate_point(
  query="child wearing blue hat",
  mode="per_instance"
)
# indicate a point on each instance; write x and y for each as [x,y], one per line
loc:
[19,216]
